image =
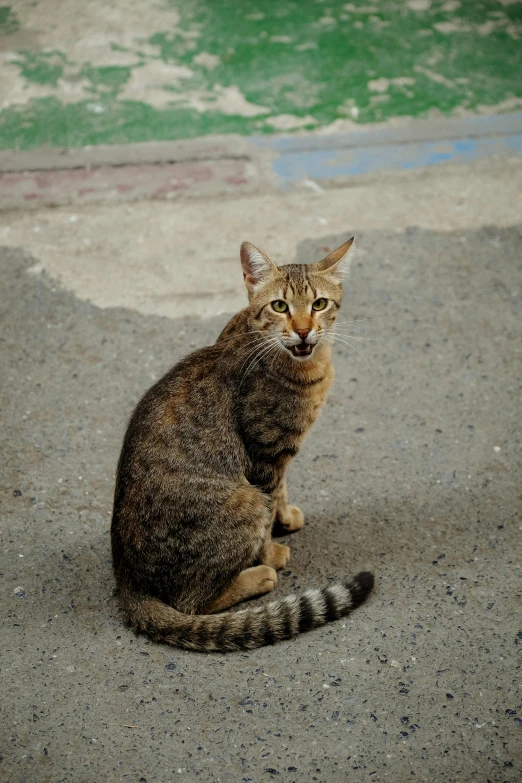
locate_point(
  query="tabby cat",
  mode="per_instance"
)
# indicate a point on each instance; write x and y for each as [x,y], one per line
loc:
[201,476]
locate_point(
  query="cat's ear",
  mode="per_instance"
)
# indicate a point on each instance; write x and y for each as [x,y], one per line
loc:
[256,265]
[337,263]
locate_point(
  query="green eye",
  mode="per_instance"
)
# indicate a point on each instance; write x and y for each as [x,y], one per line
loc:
[280,306]
[320,304]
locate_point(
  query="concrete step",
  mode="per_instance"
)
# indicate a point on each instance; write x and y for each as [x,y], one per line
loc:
[214,166]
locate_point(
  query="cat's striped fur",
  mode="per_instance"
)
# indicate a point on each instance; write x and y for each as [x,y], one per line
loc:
[201,482]
[247,628]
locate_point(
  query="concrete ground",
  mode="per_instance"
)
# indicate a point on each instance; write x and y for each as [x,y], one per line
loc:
[413,470]
[124,258]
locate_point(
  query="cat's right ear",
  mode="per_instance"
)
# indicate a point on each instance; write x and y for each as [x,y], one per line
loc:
[256,266]
[337,263]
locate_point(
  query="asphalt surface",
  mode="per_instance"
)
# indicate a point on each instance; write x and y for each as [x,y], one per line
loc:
[413,470]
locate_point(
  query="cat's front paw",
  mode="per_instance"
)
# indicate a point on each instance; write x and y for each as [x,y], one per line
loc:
[275,555]
[267,579]
[280,556]
[291,519]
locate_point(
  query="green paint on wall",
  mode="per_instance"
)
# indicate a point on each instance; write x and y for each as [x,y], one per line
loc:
[79,124]
[108,79]
[260,67]
[42,67]
[9,23]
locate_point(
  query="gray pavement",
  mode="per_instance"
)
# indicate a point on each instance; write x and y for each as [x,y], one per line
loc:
[412,470]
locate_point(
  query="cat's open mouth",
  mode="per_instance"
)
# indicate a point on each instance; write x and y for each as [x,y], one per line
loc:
[303,349]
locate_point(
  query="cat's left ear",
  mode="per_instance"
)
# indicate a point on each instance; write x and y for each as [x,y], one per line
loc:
[337,263]
[256,265]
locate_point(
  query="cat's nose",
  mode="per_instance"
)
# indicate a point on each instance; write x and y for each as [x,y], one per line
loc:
[303,333]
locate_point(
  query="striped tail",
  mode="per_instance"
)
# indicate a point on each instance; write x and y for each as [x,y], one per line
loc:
[250,627]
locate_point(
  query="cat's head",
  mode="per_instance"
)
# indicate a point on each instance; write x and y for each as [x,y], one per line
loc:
[296,303]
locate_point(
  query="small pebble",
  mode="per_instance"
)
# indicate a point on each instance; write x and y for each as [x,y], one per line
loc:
[19,592]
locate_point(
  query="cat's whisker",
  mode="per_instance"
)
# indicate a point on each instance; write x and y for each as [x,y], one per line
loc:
[249,353]
[267,344]
[343,341]
[239,334]
[249,345]
[345,328]
[257,358]
[264,350]
[271,348]
[273,344]
[354,337]
[251,350]
[244,343]
[360,320]
[335,341]
[353,356]
[332,338]
[349,329]
[278,347]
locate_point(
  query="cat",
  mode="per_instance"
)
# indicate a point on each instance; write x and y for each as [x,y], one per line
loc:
[201,476]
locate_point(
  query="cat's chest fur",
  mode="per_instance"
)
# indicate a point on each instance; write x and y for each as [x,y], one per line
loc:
[273,419]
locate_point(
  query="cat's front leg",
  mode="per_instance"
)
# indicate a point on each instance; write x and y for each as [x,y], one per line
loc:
[275,555]
[288,518]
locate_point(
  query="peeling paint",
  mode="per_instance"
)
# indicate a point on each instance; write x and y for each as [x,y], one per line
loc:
[455,26]
[227,100]
[154,83]
[510,104]
[361,9]
[435,77]
[20,90]
[419,5]
[382,84]
[208,60]
[284,122]
[90,29]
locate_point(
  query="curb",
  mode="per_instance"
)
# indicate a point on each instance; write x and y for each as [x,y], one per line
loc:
[418,144]
[233,165]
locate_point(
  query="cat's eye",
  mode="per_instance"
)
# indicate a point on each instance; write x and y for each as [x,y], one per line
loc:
[279,306]
[320,304]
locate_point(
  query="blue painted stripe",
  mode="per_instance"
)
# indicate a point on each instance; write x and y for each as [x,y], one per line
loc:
[415,131]
[328,163]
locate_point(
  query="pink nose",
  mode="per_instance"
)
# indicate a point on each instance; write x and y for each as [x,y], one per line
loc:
[303,333]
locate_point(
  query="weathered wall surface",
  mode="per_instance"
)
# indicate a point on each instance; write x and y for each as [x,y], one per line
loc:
[76,73]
